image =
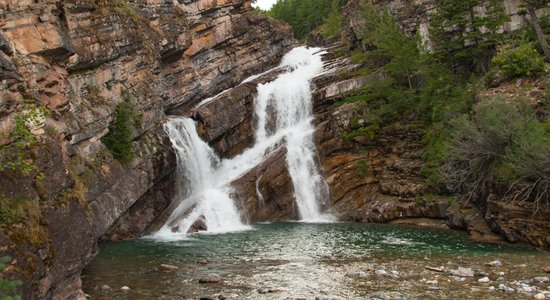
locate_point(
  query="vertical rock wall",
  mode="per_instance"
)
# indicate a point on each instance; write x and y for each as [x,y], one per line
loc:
[79,59]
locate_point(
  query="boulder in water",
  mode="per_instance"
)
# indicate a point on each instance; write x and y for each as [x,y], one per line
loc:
[212,278]
[199,225]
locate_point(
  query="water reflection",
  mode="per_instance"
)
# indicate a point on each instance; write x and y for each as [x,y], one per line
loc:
[303,260]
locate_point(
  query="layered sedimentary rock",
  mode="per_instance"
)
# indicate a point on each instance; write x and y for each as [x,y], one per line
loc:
[414,16]
[80,59]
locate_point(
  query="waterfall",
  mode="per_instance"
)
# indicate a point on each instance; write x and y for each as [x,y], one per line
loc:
[283,111]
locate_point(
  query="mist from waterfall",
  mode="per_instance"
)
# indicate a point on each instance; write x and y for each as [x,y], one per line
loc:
[283,111]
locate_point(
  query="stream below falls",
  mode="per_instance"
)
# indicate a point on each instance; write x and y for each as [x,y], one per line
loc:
[294,260]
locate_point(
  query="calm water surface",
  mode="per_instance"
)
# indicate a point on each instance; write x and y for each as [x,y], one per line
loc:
[304,261]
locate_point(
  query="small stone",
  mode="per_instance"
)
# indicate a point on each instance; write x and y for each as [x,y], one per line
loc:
[44,18]
[500,273]
[167,267]
[222,297]
[125,289]
[541,279]
[494,264]
[505,288]
[432,282]
[540,296]
[105,287]
[546,270]
[457,278]
[529,289]
[202,262]
[435,269]
[381,272]
[463,272]
[500,279]
[214,278]
[491,289]
[484,280]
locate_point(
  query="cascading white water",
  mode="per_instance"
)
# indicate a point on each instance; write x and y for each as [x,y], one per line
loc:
[197,164]
[283,111]
[288,101]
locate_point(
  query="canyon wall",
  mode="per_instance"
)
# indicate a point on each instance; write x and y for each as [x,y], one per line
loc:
[68,65]
[414,16]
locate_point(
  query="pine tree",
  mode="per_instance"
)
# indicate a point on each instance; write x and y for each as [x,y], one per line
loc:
[464,33]
[531,6]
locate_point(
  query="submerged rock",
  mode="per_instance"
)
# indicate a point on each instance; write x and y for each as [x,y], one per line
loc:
[213,278]
[541,279]
[505,288]
[125,288]
[463,272]
[484,280]
[167,267]
[494,264]
[540,296]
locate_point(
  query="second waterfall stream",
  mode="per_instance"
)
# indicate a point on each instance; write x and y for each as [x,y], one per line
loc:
[283,112]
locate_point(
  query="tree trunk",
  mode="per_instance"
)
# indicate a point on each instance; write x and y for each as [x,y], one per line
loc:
[540,35]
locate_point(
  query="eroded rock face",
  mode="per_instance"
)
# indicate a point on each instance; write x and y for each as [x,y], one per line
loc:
[414,16]
[266,192]
[80,59]
[518,223]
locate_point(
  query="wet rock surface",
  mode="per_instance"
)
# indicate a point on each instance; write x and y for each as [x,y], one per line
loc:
[79,60]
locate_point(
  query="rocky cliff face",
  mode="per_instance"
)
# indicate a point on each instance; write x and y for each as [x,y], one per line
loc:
[72,62]
[414,16]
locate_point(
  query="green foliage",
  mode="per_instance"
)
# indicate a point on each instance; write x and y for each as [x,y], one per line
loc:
[366,125]
[332,25]
[121,8]
[522,60]
[464,39]
[363,167]
[119,138]
[305,15]
[17,154]
[499,143]
[434,155]
[383,33]
[8,287]
[9,215]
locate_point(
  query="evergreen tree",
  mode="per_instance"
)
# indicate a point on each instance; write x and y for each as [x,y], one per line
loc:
[303,15]
[464,33]
[332,25]
[530,6]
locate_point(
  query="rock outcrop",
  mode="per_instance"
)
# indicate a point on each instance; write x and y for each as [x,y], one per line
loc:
[73,62]
[414,16]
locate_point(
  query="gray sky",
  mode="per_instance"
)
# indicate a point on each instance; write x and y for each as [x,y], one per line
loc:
[264,4]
